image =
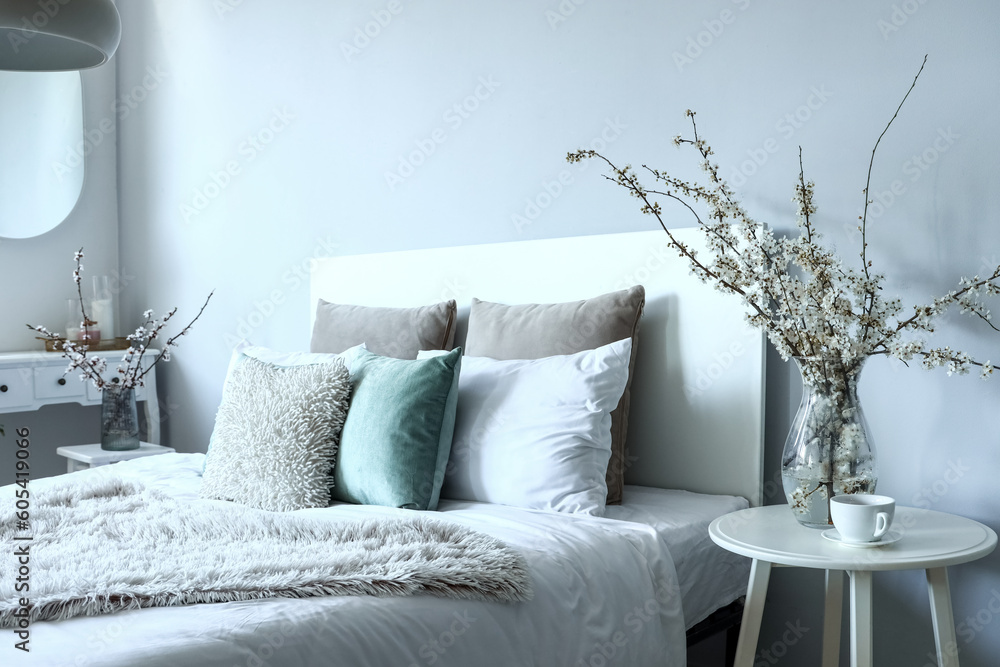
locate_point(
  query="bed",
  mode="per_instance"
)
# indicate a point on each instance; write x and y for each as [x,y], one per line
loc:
[622,586]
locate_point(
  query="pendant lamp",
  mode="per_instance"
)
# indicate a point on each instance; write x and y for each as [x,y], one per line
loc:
[57,35]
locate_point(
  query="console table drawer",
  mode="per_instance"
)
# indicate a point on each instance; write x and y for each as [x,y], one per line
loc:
[15,388]
[51,383]
[31,379]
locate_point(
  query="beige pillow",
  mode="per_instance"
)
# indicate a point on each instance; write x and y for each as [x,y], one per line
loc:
[389,332]
[533,331]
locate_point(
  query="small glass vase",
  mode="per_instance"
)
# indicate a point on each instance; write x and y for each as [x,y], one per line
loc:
[119,419]
[829,450]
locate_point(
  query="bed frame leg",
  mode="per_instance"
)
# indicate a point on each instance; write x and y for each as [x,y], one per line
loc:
[732,638]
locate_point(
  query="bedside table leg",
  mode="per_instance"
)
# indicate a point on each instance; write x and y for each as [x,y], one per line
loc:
[832,611]
[753,612]
[861,618]
[942,617]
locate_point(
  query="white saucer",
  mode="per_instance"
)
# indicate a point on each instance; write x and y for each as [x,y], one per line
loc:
[888,538]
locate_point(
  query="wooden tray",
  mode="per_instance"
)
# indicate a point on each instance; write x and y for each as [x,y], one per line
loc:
[99,346]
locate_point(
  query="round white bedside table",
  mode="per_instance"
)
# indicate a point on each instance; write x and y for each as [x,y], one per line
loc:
[924,540]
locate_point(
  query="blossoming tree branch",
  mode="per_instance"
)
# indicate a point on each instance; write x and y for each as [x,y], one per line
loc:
[132,370]
[798,291]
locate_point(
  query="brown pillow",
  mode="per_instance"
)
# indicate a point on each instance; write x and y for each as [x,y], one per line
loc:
[389,332]
[532,331]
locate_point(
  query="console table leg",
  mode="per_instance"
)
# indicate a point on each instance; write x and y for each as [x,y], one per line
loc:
[861,618]
[942,617]
[753,612]
[832,610]
[153,418]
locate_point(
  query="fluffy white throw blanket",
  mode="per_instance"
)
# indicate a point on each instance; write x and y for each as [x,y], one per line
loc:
[103,545]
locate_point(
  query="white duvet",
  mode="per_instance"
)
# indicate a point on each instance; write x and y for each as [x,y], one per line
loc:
[605,593]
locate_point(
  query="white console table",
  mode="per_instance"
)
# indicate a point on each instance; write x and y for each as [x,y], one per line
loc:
[29,380]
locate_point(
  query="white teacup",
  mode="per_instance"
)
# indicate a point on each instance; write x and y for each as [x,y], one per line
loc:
[862,517]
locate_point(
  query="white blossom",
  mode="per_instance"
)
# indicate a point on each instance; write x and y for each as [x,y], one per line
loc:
[798,290]
[131,370]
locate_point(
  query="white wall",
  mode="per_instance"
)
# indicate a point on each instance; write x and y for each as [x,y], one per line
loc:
[258,143]
[35,273]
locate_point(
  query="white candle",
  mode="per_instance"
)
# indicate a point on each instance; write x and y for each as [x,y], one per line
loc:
[101,310]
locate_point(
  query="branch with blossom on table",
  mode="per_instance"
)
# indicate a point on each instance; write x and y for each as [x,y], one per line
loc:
[132,369]
[811,306]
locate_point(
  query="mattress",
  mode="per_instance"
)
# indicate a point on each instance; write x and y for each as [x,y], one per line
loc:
[606,591]
[710,577]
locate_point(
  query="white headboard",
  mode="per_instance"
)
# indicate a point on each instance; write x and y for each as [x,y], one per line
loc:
[696,419]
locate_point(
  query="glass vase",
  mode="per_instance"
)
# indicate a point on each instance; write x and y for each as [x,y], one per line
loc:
[829,450]
[119,418]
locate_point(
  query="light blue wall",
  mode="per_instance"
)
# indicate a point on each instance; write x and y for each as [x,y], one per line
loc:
[259,139]
[35,273]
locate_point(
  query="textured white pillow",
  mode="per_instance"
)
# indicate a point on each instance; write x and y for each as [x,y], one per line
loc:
[246,350]
[537,433]
[269,356]
[276,435]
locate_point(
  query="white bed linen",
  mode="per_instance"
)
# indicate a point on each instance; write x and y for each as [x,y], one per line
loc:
[710,577]
[606,593]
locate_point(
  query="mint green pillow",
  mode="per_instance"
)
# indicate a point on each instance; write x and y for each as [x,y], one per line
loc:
[397,436]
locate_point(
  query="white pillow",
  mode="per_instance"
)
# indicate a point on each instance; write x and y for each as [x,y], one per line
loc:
[276,435]
[537,433]
[247,349]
